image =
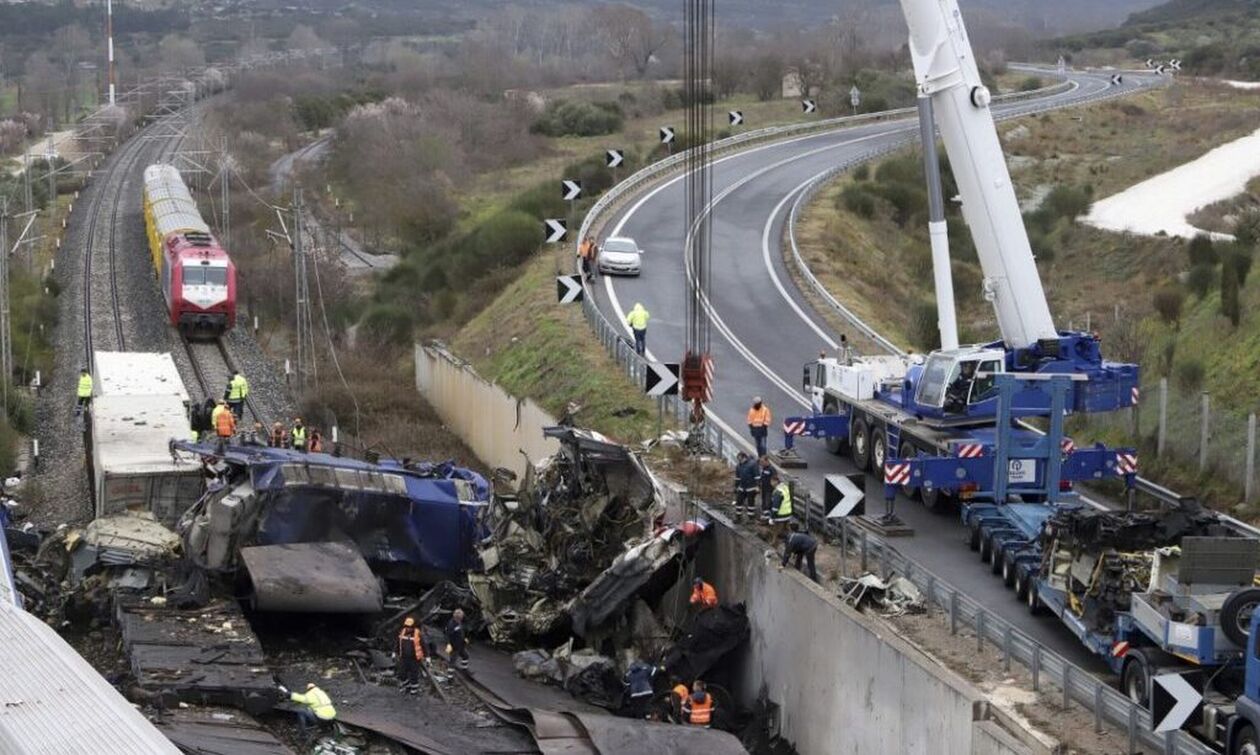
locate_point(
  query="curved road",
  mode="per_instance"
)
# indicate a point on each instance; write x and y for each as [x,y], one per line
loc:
[764,329]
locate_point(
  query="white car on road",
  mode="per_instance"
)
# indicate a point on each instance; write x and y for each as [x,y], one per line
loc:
[619,255]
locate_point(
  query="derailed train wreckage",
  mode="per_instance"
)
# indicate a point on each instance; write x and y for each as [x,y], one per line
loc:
[582,536]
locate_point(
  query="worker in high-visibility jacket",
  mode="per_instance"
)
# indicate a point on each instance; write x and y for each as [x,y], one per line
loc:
[677,699]
[698,708]
[84,392]
[780,503]
[703,594]
[319,706]
[410,656]
[759,424]
[224,424]
[237,392]
[297,435]
[638,321]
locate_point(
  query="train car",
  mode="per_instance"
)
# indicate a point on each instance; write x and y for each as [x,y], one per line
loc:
[197,277]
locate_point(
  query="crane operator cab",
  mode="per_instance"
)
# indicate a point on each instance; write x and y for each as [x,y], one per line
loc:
[958,382]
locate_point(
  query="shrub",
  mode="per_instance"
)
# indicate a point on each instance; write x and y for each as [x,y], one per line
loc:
[858,201]
[1200,279]
[1202,251]
[862,172]
[924,332]
[1067,202]
[1247,229]
[1229,293]
[505,239]
[908,201]
[1168,302]
[388,323]
[578,118]
[1238,256]
[1189,374]
[1030,84]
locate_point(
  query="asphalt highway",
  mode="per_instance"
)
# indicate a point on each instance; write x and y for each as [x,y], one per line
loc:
[764,329]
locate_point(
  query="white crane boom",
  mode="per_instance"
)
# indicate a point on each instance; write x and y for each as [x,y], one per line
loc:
[945,70]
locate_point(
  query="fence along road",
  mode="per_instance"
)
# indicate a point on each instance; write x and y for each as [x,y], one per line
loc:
[768,330]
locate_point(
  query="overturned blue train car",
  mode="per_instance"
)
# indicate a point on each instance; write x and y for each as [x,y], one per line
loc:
[293,519]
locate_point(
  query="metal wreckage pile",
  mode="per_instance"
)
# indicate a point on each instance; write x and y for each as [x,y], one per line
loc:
[581,559]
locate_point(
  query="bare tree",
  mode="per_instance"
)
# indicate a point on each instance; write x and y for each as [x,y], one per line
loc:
[44,89]
[304,37]
[179,52]
[630,36]
[68,45]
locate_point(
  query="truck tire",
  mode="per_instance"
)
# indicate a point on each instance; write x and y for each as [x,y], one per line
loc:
[836,446]
[1009,570]
[860,444]
[1022,579]
[936,500]
[1236,614]
[1033,601]
[879,449]
[1246,742]
[1135,678]
[997,552]
[908,451]
[974,541]
[986,547]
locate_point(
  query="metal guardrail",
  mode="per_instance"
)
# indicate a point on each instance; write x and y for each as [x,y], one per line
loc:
[1106,704]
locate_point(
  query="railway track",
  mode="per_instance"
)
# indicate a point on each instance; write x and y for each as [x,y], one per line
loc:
[213,366]
[118,174]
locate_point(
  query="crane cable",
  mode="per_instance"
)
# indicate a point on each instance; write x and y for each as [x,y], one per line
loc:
[697,368]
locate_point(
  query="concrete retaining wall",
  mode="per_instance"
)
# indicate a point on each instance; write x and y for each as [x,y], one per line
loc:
[495,425]
[844,685]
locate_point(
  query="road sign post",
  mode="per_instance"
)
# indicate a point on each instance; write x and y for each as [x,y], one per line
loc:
[667,138]
[844,495]
[855,98]
[613,158]
[555,230]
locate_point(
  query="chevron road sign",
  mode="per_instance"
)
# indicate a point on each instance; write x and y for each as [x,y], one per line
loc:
[568,288]
[554,230]
[661,379]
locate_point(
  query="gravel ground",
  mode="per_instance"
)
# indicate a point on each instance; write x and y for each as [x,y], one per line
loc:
[61,492]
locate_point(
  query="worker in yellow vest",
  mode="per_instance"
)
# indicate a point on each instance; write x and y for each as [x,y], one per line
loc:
[297,436]
[638,321]
[318,705]
[237,392]
[84,392]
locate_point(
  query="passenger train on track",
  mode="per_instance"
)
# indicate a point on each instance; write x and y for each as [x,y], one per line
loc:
[197,276]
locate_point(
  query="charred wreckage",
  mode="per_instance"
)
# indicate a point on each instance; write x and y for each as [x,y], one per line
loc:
[581,566]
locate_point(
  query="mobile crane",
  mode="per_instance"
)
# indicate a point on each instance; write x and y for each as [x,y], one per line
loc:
[946,405]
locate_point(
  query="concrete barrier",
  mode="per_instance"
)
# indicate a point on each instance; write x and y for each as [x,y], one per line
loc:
[496,426]
[844,684]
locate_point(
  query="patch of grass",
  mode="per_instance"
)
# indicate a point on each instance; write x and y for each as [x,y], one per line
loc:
[533,347]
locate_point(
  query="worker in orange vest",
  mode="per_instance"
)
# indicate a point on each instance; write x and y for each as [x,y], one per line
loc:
[703,594]
[677,699]
[759,424]
[224,423]
[586,251]
[410,656]
[698,708]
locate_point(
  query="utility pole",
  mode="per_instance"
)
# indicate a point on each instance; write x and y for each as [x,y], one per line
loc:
[225,192]
[109,36]
[302,294]
[6,345]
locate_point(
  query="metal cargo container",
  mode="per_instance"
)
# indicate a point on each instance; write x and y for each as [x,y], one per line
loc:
[132,464]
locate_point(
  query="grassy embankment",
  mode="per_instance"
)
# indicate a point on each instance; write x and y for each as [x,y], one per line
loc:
[866,238]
